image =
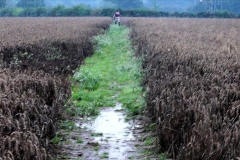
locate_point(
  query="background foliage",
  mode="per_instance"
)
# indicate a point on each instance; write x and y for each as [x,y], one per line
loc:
[84,10]
[136,8]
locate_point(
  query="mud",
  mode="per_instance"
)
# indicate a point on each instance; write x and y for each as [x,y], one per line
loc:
[107,136]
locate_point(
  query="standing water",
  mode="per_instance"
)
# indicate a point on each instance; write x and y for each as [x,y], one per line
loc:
[116,134]
[107,136]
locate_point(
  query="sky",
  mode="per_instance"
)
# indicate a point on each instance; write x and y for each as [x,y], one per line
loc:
[165,5]
[68,3]
[178,5]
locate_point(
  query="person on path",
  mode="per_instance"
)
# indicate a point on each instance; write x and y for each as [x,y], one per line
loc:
[116,17]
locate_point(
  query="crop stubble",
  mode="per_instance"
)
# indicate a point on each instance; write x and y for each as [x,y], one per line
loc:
[36,57]
[193,79]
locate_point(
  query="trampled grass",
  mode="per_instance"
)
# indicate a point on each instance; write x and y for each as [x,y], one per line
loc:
[111,75]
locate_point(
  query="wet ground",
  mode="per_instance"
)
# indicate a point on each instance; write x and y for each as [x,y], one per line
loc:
[107,136]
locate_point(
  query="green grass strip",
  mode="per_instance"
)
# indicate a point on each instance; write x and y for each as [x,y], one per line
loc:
[113,74]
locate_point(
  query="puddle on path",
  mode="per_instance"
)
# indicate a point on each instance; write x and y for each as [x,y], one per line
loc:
[116,133]
[108,136]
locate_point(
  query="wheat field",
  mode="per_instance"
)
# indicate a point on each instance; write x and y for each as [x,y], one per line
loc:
[36,57]
[192,75]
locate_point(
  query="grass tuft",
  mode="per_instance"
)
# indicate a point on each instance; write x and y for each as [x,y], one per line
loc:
[104,155]
[80,141]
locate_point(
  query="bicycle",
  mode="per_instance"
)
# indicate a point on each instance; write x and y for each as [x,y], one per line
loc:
[117,20]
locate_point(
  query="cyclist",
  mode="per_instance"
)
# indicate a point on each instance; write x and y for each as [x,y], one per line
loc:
[116,17]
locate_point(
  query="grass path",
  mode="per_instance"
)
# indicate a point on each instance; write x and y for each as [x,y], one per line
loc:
[111,75]
[108,79]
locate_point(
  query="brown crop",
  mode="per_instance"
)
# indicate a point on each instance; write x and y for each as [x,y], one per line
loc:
[55,45]
[36,57]
[193,77]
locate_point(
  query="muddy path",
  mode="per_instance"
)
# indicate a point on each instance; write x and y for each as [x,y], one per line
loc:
[111,77]
[107,136]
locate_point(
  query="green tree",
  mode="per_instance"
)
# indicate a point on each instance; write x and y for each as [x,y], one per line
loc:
[31,3]
[2,3]
[126,4]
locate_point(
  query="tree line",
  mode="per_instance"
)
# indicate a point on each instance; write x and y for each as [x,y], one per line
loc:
[232,6]
[83,10]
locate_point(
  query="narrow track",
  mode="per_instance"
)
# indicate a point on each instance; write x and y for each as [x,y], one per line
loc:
[110,135]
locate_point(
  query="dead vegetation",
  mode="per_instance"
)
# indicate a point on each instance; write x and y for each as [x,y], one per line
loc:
[36,57]
[193,76]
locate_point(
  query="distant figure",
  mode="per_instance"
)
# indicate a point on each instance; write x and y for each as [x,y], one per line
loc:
[116,17]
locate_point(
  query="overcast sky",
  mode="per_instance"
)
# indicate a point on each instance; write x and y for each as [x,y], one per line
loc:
[165,5]
[93,3]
